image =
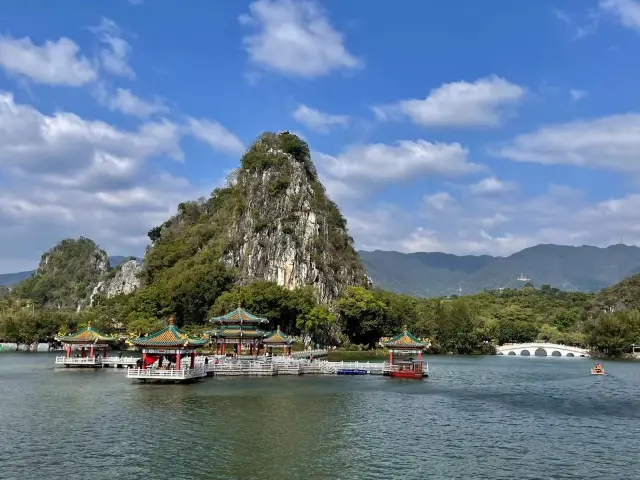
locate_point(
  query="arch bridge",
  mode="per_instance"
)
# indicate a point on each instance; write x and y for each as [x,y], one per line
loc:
[541,350]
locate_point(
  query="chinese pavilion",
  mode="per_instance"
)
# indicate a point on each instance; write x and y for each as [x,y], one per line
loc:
[406,343]
[86,341]
[278,339]
[238,328]
[171,344]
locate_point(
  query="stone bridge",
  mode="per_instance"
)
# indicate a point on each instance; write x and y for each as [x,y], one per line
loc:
[541,350]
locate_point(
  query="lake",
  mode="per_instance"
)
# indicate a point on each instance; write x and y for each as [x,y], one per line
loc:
[475,417]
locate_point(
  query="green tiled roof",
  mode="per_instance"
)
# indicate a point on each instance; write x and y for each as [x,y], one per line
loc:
[278,338]
[238,316]
[86,335]
[405,340]
[237,331]
[169,336]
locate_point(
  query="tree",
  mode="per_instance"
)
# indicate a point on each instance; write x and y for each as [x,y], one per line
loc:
[320,323]
[363,315]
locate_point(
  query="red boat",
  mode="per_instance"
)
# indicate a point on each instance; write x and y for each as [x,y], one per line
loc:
[408,369]
[406,343]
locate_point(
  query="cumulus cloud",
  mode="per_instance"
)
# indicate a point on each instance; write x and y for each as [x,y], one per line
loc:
[491,186]
[65,176]
[214,134]
[115,51]
[471,225]
[484,102]
[127,103]
[317,120]
[53,63]
[626,11]
[295,38]
[609,143]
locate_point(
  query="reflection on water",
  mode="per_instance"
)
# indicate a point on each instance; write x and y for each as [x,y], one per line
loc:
[487,417]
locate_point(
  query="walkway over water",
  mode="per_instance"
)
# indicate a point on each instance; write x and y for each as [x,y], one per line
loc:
[541,349]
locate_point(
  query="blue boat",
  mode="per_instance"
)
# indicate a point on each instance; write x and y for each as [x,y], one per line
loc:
[351,371]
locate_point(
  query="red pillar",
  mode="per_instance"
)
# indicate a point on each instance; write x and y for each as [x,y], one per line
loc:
[193,360]
[144,360]
[178,360]
[68,349]
[419,354]
[390,357]
[224,349]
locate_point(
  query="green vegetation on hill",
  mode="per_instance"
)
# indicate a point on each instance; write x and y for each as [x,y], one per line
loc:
[66,275]
[585,268]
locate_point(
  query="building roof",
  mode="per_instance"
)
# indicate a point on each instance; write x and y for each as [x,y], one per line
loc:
[86,335]
[169,336]
[237,331]
[278,338]
[405,340]
[238,316]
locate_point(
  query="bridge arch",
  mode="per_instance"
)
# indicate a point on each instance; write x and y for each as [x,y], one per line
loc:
[525,353]
[556,353]
[540,352]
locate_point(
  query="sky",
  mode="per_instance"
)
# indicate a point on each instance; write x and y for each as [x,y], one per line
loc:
[453,126]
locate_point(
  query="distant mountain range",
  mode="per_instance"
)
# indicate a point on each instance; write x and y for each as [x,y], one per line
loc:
[8,279]
[583,268]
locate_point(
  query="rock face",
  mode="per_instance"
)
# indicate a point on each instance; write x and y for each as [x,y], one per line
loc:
[271,222]
[289,233]
[122,280]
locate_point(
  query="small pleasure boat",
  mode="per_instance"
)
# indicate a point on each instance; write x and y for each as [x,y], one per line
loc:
[597,370]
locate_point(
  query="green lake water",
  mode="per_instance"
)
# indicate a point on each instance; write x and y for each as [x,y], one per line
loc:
[475,417]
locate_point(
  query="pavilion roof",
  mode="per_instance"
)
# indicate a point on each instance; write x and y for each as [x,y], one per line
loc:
[238,316]
[237,331]
[86,335]
[405,340]
[278,338]
[169,336]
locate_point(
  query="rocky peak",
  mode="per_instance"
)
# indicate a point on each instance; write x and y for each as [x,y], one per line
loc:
[122,280]
[286,229]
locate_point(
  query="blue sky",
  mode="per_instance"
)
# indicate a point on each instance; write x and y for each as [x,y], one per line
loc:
[461,126]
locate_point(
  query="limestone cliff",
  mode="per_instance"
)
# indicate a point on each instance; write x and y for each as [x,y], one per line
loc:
[272,221]
[122,280]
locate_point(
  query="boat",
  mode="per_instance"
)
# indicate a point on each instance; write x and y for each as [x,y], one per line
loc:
[351,371]
[597,370]
[408,369]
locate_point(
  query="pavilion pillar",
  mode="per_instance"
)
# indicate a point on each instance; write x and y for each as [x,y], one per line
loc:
[144,360]
[224,349]
[83,352]
[193,360]
[390,357]
[419,354]
[68,349]
[178,355]
[217,348]
[105,351]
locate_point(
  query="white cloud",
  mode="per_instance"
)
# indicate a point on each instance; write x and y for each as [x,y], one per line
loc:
[580,27]
[215,135]
[484,102]
[115,51]
[491,186]
[469,225]
[577,94]
[295,38]
[360,167]
[64,176]
[626,11]
[610,143]
[53,63]
[125,102]
[317,120]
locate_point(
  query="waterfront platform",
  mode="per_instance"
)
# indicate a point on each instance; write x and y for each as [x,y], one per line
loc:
[273,366]
[80,362]
[160,375]
[119,362]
